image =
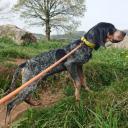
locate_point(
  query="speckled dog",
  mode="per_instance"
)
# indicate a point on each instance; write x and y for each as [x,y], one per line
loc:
[98,35]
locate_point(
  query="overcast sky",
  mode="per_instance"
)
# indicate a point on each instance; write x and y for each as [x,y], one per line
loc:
[113,11]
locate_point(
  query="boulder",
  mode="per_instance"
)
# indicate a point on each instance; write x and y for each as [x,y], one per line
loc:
[19,35]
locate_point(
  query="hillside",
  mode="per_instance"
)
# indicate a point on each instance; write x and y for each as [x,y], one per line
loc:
[68,36]
[105,107]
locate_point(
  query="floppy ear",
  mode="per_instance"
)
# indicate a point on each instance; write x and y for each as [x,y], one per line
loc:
[109,35]
[60,53]
[104,33]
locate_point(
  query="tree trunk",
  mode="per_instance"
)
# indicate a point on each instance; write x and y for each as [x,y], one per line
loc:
[48,30]
[47,21]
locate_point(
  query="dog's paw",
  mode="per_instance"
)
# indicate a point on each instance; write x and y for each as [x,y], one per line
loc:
[88,89]
[33,102]
[37,103]
[77,99]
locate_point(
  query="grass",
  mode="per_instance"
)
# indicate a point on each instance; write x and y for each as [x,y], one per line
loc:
[9,50]
[106,107]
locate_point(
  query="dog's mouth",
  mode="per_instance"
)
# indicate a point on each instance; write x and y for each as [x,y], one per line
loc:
[116,41]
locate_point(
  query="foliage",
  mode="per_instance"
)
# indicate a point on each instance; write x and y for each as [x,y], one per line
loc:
[51,14]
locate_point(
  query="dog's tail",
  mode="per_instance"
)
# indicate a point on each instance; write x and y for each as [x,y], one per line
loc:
[15,77]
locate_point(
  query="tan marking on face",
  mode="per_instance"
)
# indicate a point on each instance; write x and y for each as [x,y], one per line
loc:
[118,36]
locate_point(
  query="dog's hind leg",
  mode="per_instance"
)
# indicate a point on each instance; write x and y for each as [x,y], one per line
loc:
[15,77]
[21,97]
[27,75]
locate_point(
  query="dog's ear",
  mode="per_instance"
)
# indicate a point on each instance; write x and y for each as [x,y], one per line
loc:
[60,53]
[104,32]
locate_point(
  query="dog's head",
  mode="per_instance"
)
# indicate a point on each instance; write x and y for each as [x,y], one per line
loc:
[116,36]
[104,32]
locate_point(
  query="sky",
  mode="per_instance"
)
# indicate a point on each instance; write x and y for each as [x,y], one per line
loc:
[113,11]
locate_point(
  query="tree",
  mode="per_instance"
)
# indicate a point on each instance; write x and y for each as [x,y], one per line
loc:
[51,14]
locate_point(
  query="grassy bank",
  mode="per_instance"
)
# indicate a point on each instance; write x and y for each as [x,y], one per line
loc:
[106,107]
[9,50]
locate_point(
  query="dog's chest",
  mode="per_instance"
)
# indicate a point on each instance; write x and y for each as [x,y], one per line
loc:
[83,55]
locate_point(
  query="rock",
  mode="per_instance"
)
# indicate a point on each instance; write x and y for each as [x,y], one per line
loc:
[123,44]
[18,35]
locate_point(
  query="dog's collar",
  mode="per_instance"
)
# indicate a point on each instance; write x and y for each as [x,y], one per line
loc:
[89,44]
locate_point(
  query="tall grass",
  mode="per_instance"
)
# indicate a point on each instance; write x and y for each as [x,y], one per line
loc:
[106,107]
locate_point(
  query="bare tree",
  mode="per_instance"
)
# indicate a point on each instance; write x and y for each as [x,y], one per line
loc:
[51,14]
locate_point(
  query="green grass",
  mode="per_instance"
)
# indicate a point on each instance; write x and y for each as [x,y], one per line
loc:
[106,107]
[8,49]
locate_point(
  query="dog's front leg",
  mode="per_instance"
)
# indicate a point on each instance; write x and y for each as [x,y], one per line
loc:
[84,83]
[77,86]
[73,71]
[82,78]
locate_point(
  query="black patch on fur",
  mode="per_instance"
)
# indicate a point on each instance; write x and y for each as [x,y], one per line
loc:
[22,65]
[60,53]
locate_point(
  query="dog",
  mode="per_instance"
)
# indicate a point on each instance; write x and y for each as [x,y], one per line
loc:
[98,35]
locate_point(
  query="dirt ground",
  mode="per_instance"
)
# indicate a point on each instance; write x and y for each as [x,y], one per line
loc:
[47,98]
